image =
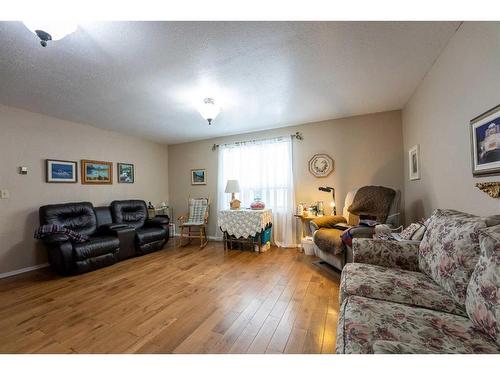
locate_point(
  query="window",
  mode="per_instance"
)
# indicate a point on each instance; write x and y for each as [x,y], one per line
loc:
[264,170]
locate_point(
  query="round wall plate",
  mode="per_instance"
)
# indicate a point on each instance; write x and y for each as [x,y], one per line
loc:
[321,165]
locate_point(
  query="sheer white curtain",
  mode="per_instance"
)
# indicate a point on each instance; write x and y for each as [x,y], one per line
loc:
[264,170]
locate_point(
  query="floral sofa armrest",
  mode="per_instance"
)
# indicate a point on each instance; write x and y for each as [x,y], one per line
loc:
[386,253]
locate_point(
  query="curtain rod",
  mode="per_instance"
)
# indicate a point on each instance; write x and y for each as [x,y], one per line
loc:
[296,135]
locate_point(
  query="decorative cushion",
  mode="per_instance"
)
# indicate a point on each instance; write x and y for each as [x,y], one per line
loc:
[483,293]
[408,232]
[364,321]
[449,250]
[395,285]
[197,210]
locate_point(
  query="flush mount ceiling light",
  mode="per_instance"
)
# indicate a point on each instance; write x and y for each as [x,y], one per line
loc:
[53,30]
[209,110]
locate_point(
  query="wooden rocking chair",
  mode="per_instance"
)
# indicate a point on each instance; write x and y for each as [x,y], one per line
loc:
[195,222]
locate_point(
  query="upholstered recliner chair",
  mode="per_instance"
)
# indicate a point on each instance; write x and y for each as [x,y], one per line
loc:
[150,234]
[327,231]
[67,257]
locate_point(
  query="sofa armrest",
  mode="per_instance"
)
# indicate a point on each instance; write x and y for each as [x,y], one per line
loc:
[327,222]
[111,229]
[386,253]
[157,222]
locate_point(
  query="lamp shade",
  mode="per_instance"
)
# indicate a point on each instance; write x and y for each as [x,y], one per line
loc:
[232,186]
[56,29]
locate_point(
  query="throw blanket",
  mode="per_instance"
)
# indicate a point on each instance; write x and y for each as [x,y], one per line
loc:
[348,234]
[50,229]
[373,201]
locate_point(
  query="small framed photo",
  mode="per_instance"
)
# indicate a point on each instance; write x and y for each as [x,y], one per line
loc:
[97,172]
[125,173]
[414,163]
[198,177]
[64,171]
[485,143]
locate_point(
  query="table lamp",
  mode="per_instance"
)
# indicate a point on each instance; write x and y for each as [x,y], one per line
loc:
[329,189]
[233,187]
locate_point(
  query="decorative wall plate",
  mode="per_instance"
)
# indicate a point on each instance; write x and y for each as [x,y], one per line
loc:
[321,165]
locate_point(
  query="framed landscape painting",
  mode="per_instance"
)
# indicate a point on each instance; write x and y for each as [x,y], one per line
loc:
[64,171]
[97,172]
[198,177]
[125,173]
[485,143]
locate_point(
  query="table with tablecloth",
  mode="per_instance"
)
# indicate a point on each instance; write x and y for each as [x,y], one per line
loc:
[244,223]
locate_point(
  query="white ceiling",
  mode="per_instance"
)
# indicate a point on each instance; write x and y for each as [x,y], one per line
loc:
[146,78]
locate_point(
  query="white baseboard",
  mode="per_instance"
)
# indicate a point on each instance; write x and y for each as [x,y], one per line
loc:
[23,270]
[213,238]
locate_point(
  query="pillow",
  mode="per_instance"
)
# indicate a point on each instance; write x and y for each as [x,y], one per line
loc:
[419,233]
[449,250]
[414,231]
[483,293]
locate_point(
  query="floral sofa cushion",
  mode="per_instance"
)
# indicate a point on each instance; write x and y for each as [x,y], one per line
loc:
[449,250]
[483,293]
[363,321]
[396,285]
[397,347]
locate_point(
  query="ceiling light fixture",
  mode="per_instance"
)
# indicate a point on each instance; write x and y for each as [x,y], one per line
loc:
[51,30]
[209,110]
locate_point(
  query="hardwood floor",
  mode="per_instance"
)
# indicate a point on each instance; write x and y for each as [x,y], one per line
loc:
[178,300]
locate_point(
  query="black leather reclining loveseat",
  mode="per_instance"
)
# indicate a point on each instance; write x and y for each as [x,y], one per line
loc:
[109,241]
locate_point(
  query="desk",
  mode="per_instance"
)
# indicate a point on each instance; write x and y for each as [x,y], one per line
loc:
[244,225]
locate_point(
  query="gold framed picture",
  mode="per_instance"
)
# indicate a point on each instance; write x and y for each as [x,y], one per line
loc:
[96,172]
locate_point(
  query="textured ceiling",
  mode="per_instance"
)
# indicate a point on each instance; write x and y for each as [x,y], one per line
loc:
[147,78]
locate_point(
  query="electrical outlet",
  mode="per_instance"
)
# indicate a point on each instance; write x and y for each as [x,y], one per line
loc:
[4,194]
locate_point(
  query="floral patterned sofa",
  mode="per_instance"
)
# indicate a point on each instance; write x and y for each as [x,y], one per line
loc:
[439,296]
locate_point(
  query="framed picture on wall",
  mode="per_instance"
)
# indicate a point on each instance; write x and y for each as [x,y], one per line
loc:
[198,177]
[414,163]
[97,172]
[125,173]
[485,143]
[64,171]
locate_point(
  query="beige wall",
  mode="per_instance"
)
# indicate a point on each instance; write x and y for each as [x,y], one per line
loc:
[462,84]
[366,149]
[27,139]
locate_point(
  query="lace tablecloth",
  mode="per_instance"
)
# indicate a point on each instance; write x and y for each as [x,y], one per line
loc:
[244,223]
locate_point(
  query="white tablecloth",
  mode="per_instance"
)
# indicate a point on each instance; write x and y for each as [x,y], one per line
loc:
[244,223]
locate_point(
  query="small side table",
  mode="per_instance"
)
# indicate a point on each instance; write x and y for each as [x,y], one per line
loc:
[305,220]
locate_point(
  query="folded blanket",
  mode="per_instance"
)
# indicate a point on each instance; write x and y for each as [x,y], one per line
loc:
[374,201]
[50,229]
[347,235]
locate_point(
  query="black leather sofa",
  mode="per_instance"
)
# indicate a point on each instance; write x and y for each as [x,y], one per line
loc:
[150,234]
[109,242]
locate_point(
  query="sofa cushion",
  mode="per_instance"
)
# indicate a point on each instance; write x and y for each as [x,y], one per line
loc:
[363,321]
[397,347]
[449,250]
[147,235]
[396,285]
[95,246]
[329,240]
[483,293]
